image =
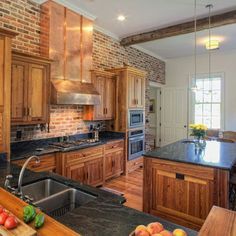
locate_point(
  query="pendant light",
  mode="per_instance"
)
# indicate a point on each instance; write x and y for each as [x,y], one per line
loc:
[209,6]
[194,86]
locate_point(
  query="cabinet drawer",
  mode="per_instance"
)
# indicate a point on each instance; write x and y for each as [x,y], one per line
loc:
[134,164]
[83,154]
[109,147]
[47,162]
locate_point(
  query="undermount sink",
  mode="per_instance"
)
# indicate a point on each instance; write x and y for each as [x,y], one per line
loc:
[43,189]
[55,198]
[63,202]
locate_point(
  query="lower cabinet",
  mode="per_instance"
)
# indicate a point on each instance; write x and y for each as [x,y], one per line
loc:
[85,165]
[114,159]
[47,163]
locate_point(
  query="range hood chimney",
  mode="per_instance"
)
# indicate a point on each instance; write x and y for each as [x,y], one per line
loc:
[68,92]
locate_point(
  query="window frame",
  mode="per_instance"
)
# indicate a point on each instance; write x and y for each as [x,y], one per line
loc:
[221,75]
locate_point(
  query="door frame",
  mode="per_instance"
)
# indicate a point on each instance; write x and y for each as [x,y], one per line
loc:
[159,87]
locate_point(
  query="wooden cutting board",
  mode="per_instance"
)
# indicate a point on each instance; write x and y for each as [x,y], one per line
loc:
[51,226]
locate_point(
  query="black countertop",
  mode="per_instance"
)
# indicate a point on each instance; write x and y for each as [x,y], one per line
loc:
[216,154]
[104,216]
[24,149]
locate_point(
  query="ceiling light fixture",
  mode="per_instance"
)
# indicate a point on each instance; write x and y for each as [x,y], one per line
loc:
[212,44]
[121,18]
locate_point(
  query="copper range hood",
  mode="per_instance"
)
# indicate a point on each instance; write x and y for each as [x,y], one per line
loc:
[68,92]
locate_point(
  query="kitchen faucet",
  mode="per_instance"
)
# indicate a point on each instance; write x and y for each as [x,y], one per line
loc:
[19,189]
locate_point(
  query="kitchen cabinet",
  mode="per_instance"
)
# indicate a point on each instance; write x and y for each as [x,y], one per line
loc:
[130,89]
[47,163]
[5,88]
[30,89]
[183,193]
[105,84]
[114,159]
[84,165]
[68,42]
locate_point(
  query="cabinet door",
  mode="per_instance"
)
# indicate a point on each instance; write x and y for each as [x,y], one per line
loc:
[108,165]
[110,98]
[76,172]
[118,158]
[188,196]
[140,92]
[131,91]
[1,129]
[94,172]
[19,92]
[37,96]
[99,110]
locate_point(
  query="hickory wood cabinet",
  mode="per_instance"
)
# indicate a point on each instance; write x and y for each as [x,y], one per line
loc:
[105,84]
[183,193]
[29,89]
[130,94]
[5,88]
[84,165]
[47,163]
[113,159]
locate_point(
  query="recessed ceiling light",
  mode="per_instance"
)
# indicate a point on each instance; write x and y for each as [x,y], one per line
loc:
[121,18]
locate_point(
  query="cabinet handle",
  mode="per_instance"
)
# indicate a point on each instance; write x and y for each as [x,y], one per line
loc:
[179,176]
[104,111]
[29,111]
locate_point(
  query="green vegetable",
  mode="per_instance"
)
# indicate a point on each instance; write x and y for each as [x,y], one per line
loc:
[29,213]
[39,220]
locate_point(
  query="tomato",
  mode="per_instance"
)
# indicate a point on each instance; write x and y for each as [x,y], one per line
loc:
[3,217]
[1,209]
[11,222]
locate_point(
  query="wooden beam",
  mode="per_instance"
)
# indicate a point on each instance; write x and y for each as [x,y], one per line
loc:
[183,28]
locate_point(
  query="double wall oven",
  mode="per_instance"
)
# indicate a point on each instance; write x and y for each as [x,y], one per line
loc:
[136,135]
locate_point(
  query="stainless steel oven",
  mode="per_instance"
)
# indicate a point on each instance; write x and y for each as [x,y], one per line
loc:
[136,144]
[135,118]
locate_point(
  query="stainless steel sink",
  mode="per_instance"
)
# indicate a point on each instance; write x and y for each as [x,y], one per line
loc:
[67,200]
[43,189]
[55,198]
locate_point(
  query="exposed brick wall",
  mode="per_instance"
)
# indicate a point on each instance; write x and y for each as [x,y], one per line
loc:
[23,16]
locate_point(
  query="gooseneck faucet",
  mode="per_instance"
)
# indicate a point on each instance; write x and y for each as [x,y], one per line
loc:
[19,189]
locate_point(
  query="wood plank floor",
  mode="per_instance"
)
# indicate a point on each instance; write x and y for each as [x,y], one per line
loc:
[132,187]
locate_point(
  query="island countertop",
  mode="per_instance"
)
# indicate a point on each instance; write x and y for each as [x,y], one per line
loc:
[215,154]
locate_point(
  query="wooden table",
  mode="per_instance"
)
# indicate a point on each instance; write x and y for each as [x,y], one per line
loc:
[220,221]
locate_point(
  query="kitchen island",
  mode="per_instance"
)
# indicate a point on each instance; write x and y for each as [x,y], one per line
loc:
[105,215]
[182,183]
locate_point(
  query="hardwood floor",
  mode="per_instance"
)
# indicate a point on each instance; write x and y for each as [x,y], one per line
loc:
[132,187]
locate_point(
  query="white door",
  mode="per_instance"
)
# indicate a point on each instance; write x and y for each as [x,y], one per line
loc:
[174,115]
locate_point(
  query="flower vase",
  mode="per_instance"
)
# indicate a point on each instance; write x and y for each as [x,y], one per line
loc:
[200,143]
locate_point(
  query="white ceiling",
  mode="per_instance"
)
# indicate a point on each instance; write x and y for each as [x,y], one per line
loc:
[146,15]
[183,45]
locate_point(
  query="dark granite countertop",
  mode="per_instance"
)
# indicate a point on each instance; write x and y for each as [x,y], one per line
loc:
[24,149]
[104,216]
[215,154]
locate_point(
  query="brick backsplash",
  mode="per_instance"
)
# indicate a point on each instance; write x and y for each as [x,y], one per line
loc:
[23,16]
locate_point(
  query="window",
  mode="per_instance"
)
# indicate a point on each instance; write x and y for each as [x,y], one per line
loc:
[208,101]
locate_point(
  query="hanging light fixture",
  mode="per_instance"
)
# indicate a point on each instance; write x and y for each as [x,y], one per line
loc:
[209,6]
[194,86]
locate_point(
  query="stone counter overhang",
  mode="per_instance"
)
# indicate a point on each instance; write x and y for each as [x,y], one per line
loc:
[216,154]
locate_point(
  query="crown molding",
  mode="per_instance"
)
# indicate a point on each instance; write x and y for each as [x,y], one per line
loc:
[72,7]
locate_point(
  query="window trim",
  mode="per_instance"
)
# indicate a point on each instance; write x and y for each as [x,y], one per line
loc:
[191,95]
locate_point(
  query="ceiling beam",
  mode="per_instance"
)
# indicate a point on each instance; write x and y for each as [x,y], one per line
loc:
[183,28]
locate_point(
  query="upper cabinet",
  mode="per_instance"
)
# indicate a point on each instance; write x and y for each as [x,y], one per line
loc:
[5,89]
[67,39]
[105,84]
[30,89]
[130,93]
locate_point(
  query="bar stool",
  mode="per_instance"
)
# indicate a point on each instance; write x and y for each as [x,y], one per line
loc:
[232,195]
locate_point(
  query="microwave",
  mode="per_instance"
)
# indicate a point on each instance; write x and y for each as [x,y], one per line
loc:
[135,118]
